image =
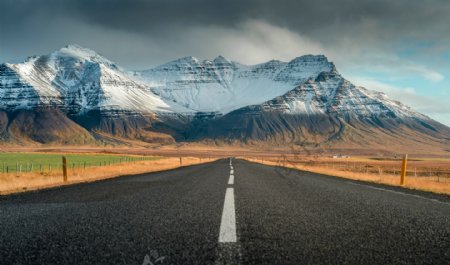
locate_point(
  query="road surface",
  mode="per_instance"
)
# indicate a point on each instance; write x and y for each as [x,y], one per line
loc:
[225,213]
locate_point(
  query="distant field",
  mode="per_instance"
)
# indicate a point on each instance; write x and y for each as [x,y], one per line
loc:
[430,174]
[38,162]
[44,170]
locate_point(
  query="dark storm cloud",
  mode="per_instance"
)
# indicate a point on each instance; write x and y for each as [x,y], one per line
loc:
[400,17]
[31,26]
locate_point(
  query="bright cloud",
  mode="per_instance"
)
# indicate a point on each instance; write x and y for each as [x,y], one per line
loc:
[251,42]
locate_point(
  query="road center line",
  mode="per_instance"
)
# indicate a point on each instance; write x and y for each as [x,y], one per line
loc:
[231,179]
[228,224]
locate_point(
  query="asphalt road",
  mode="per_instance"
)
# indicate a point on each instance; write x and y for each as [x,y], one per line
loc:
[198,215]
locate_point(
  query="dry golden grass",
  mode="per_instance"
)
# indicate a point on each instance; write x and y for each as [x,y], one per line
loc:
[12,183]
[426,167]
[419,183]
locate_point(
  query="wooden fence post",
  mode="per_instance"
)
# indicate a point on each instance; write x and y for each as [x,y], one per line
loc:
[403,175]
[64,166]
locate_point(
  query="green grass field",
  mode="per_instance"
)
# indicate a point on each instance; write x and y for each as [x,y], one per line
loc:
[28,162]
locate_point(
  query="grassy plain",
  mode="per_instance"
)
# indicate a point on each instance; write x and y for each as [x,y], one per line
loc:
[430,173]
[99,166]
[41,162]
[427,174]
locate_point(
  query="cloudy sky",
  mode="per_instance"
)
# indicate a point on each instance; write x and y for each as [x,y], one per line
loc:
[400,47]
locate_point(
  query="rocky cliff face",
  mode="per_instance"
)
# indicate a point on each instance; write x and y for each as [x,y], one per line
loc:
[15,93]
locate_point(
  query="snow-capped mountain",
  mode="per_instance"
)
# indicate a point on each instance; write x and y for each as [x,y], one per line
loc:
[303,100]
[221,85]
[330,93]
[79,80]
[76,79]
[306,85]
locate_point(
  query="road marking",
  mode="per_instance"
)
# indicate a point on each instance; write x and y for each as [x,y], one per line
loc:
[232,171]
[399,192]
[228,225]
[231,180]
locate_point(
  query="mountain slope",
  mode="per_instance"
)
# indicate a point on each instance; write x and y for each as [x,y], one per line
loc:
[41,126]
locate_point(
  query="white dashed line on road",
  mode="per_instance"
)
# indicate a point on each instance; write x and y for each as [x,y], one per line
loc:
[228,225]
[231,180]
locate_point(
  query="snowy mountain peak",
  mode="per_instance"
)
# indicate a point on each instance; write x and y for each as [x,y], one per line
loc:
[188,60]
[75,51]
[78,80]
[222,60]
[310,58]
[78,48]
[313,61]
[330,93]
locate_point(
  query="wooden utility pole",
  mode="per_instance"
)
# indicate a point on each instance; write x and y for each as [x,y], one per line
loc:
[403,175]
[64,167]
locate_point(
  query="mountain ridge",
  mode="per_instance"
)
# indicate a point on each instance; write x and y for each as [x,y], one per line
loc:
[189,99]
[192,82]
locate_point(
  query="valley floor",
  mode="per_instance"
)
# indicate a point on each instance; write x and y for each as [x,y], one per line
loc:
[425,172]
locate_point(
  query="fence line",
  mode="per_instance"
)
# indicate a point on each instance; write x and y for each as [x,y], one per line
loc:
[20,167]
[393,168]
